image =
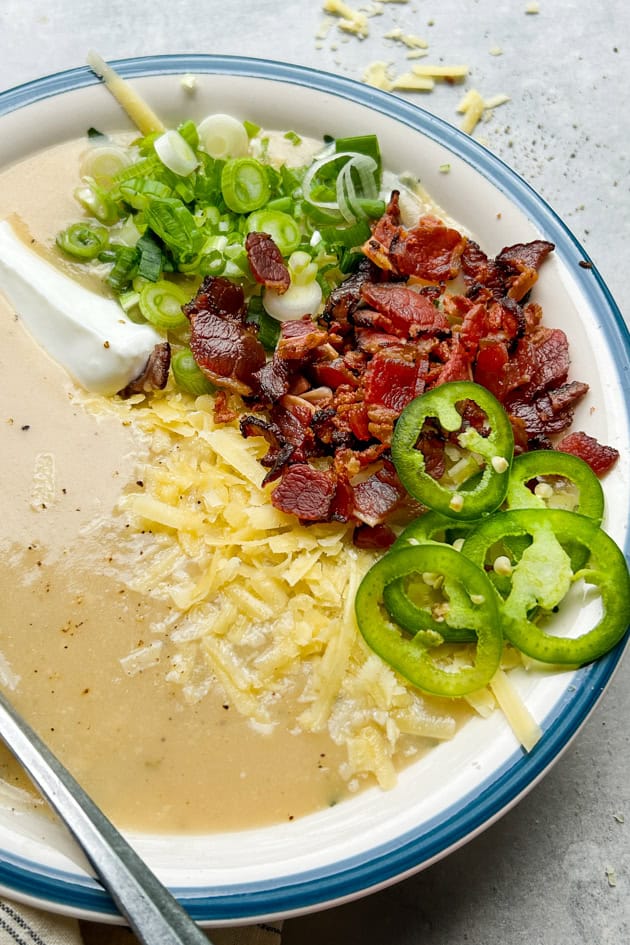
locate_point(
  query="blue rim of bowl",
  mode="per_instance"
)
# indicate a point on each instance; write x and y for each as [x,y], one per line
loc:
[433,839]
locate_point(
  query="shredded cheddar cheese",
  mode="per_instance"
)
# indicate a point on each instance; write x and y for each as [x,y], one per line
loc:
[262,607]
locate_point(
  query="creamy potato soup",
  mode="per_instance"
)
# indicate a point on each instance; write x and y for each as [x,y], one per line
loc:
[149,759]
[187,651]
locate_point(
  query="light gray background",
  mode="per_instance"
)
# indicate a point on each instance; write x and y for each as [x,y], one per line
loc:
[539,876]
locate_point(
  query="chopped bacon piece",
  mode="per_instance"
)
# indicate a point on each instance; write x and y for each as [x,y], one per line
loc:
[383,232]
[220,296]
[223,413]
[541,362]
[456,368]
[393,378]
[346,297]
[266,262]
[280,450]
[430,250]
[227,352]
[600,458]
[224,346]
[512,273]
[489,367]
[299,337]
[305,492]
[377,537]
[333,374]
[404,312]
[521,263]
[376,497]
[155,373]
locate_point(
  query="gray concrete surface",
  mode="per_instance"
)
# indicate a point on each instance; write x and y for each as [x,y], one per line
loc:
[556,869]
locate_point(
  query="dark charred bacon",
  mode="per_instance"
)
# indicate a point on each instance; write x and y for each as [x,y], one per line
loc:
[224,346]
[511,274]
[266,262]
[599,457]
[346,297]
[305,492]
[220,296]
[155,374]
[280,450]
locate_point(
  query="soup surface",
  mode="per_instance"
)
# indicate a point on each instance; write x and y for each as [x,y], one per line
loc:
[150,759]
[187,650]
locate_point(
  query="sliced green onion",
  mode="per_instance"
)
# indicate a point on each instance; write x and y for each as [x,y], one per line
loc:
[346,236]
[124,268]
[281,227]
[173,222]
[268,327]
[223,136]
[212,263]
[128,300]
[151,258]
[97,201]
[188,131]
[188,375]
[362,144]
[175,153]
[103,162]
[293,137]
[161,304]
[139,191]
[83,240]
[354,181]
[251,129]
[244,185]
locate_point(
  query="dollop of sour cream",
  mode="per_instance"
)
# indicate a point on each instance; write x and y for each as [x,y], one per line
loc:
[87,334]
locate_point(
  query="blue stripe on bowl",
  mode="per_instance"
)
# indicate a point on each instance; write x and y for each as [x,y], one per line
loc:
[476,810]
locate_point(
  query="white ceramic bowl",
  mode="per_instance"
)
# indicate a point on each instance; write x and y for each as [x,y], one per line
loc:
[461,786]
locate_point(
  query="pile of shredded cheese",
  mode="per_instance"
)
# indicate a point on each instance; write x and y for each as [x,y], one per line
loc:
[261,606]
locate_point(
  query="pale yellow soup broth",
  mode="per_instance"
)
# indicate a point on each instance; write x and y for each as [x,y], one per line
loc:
[186,650]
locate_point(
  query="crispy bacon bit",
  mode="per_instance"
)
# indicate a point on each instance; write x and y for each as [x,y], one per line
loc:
[512,273]
[402,311]
[344,300]
[377,537]
[599,457]
[266,262]
[299,337]
[224,346]
[305,492]
[376,497]
[155,374]
[430,250]
[223,413]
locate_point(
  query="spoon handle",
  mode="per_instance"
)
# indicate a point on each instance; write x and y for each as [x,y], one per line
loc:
[152,912]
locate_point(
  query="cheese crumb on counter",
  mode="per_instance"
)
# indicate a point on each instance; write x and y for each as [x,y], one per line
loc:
[407,39]
[377,74]
[473,107]
[351,20]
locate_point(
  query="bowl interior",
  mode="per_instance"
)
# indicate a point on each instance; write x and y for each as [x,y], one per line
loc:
[460,786]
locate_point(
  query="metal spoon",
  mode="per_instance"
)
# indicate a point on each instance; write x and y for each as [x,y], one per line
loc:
[152,912]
